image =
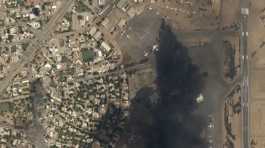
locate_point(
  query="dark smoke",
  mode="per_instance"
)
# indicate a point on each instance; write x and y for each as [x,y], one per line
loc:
[171,123]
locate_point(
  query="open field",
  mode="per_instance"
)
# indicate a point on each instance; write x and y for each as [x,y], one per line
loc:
[256,38]
[230,12]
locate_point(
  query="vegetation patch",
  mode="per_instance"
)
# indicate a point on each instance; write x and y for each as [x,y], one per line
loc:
[81,7]
[87,55]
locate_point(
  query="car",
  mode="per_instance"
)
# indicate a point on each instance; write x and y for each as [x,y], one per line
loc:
[210,142]
[210,125]
[210,121]
[245,11]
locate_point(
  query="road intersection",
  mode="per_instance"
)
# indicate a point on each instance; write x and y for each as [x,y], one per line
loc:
[35,44]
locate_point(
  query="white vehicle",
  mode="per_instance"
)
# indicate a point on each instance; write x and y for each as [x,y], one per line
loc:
[146,54]
[245,11]
[155,48]
[246,33]
[210,122]
[210,139]
[211,125]
[210,142]
[200,99]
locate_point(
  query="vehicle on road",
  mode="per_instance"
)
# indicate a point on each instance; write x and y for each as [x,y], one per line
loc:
[210,122]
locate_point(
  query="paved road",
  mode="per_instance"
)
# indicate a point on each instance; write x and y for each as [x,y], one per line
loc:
[41,38]
[137,67]
[245,76]
[23,41]
[11,99]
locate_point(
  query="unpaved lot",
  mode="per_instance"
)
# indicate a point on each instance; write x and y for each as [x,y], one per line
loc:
[256,37]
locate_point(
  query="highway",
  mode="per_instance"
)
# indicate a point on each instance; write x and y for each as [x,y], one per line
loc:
[245,73]
[41,38]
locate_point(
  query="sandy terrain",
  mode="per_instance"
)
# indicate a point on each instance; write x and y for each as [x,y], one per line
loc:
[230,15]
[140,80]
[140,36]
[256,36]
[232,116]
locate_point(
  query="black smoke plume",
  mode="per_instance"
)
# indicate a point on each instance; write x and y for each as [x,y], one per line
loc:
[165,116]
[171,122]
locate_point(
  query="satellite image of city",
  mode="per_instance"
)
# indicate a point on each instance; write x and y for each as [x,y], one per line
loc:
[132,73]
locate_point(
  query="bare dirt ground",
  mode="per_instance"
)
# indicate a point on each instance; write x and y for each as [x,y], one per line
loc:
[229,12]
[232,119]
[140,36]
[140,79]
[255,39]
